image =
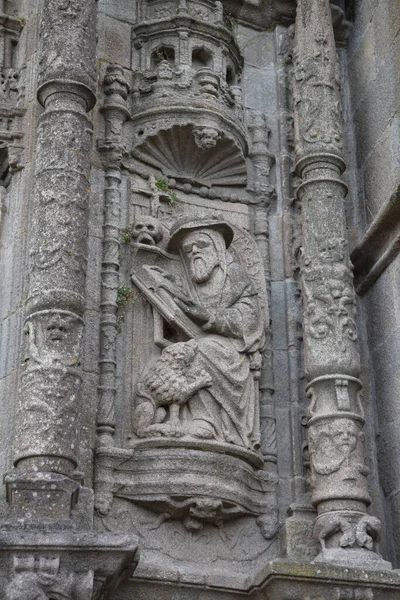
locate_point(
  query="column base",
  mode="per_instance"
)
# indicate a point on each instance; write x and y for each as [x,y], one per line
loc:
[40,499]
[65,564]
[360,558]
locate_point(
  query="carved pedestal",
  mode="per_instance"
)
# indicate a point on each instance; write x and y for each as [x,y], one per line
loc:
[196,486]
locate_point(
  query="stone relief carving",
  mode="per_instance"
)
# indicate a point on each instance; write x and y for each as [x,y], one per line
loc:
[206,385]
[198,136]
[147,230]
[318,94]
[197,402]
[54,337]
[206,137]
[40,586]
[329,293]
[361,533]
[171,383]
[226,541]
[338,446]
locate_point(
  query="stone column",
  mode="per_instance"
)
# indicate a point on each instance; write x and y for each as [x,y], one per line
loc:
[50,402]
[336,417]
[42,555]
[115,111]
[262,193]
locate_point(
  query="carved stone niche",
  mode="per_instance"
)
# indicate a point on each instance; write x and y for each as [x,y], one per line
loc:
[194,452]
[187,109]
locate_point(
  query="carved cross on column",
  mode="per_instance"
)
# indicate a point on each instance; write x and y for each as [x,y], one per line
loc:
[336,417]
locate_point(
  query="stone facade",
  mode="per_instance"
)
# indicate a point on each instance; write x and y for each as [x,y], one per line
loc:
[198,265]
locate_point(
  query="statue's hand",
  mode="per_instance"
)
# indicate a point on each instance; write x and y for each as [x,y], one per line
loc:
[196,312]
[159,272]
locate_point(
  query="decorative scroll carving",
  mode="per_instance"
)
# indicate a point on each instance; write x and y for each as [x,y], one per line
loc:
[317,91]
[329,294]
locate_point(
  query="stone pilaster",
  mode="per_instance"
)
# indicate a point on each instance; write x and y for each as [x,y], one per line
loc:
[50,402]
[336,417]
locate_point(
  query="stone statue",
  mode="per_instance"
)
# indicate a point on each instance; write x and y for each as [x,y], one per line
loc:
[207,381]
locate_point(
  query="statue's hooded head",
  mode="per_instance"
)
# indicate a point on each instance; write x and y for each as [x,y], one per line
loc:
[202,243]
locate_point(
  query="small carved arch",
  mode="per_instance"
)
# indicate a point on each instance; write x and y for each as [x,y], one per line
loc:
[162,53]
[201,58]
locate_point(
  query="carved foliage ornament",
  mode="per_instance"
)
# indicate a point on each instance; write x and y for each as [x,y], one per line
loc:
[329,294]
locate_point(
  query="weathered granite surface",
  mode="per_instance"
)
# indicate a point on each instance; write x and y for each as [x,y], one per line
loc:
[199,390]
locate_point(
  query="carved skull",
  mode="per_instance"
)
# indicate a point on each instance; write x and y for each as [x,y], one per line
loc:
[147,230]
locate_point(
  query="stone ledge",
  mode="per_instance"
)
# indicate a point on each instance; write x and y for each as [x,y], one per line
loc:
[280,580]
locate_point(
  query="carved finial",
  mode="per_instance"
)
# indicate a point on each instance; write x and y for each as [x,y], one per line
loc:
[115,83]
[219,12]
[116,112]
[182,7]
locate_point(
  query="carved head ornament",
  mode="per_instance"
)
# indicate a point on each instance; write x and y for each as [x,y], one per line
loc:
[147,230]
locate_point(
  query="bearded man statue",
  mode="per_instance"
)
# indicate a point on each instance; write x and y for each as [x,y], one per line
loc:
[205,387]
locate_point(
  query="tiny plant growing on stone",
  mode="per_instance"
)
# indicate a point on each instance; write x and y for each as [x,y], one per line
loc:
[126,235]
[124,296]
[163,186]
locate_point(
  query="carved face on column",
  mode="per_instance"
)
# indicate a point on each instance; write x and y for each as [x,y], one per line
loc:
[332,251]
[333,443]
[54,337]
[147,230]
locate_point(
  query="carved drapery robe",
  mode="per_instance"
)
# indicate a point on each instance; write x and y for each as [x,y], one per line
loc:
[227,353]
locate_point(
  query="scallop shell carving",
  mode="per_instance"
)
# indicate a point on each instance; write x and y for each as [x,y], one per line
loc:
[176,154]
